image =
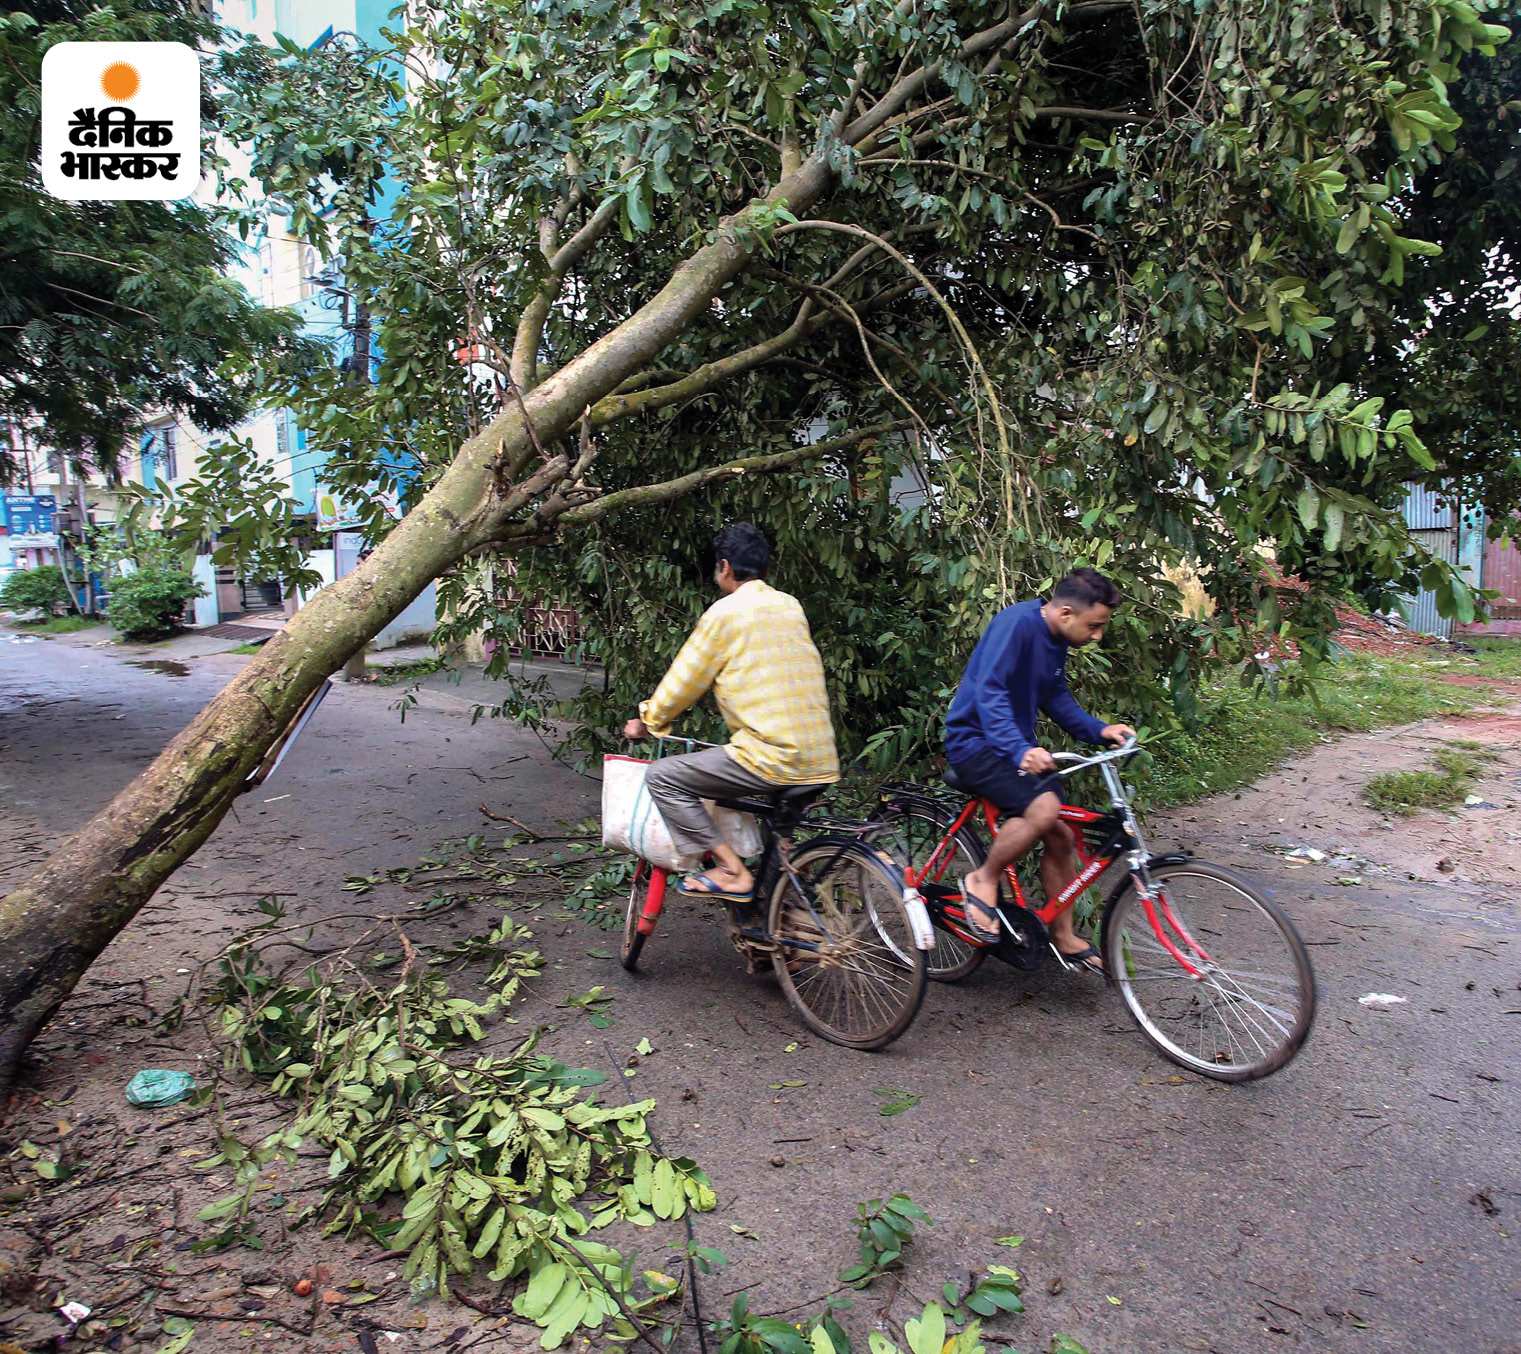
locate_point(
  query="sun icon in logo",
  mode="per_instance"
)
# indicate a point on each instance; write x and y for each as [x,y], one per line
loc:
[120,81]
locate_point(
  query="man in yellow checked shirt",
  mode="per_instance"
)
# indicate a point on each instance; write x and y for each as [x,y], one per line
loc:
[754,649]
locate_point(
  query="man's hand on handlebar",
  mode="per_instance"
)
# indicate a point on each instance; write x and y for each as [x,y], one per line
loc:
[635,729]
[1037,761]
[1116,734]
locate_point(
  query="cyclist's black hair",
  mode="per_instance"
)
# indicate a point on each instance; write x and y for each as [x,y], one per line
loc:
[1083,588]
[745,547]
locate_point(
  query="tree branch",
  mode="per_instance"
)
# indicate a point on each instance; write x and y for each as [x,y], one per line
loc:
[905,89]
[647,494]
[524,368]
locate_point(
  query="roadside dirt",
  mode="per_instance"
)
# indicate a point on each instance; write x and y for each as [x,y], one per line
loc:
[1364,1199]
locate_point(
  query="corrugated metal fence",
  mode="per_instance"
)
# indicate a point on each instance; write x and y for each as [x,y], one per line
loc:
[1434,524]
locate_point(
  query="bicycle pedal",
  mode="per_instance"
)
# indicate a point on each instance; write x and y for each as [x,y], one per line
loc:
[753,944]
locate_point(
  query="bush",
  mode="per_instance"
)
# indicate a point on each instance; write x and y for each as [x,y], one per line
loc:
[40,589]
[150,603]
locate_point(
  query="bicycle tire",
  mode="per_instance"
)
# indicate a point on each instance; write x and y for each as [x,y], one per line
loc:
[1255,980]
[841,946]
[952,959]
[633,937]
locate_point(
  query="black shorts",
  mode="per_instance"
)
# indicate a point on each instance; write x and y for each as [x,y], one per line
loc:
[996,778]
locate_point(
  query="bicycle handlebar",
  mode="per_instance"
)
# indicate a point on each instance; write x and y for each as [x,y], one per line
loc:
[1129,747]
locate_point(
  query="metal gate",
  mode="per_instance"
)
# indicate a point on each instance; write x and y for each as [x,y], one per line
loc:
[1434,525]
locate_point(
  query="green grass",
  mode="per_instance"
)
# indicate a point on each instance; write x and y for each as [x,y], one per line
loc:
[1443,785]
[248,648]
[389,674]
[1498,657]
[1242,735]
[58,625]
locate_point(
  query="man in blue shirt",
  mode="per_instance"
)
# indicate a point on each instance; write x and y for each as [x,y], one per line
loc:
[1018,669]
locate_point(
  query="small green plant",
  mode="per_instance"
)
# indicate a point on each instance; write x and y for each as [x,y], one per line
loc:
[42,589]
[393,674]
[1443,785]
[998,1292]
[929,1334]
[883,1230]
[743,1333]
[150,602]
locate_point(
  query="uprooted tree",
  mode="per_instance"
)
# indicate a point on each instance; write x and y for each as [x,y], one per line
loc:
[1080,268]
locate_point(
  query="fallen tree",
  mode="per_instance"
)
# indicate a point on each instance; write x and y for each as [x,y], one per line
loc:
[616,217]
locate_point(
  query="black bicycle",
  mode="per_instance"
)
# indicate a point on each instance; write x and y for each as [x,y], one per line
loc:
[833,916]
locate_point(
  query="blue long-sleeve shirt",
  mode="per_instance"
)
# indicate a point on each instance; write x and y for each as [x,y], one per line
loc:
[1017,669]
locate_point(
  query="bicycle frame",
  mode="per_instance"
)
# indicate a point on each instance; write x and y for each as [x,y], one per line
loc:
[774,862]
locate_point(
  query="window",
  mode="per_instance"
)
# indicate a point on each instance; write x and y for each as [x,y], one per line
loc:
[309,261]
[171,441]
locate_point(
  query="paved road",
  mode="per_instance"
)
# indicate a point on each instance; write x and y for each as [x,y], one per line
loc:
[1366,1199]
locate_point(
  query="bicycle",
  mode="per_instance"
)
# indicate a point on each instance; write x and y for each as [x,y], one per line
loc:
[1212,971]
[844,933]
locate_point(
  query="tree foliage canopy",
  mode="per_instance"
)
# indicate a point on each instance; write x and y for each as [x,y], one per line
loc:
[110,310]
[1118,268]
[1451,346]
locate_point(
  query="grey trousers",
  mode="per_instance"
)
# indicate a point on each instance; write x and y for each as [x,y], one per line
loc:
[678,785]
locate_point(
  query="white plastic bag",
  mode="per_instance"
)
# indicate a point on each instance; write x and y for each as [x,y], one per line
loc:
[632,822]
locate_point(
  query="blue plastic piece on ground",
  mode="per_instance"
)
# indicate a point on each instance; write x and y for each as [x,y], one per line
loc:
[152,1087]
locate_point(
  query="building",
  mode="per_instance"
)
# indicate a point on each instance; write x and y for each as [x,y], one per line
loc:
[1459,535]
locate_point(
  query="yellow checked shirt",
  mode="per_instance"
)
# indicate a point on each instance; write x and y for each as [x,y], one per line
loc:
[754,649]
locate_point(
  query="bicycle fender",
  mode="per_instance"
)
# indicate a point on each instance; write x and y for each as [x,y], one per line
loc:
[919,918]
[913,903]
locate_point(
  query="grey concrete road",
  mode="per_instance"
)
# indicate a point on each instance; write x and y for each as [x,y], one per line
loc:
[1365,1199]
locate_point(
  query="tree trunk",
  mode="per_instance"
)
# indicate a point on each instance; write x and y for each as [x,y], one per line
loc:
[58,921]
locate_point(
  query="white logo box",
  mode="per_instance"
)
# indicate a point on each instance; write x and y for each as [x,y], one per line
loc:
[121,121]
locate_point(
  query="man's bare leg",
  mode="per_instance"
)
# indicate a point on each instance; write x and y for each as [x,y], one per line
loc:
[1058,868]
[1015,837]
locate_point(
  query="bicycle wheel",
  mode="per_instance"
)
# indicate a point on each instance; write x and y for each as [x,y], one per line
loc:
[912,830]
[1222,984]
[845,950]
[633,937]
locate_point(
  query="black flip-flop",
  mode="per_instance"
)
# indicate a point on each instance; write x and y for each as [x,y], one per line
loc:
[1085,960]
[976,928]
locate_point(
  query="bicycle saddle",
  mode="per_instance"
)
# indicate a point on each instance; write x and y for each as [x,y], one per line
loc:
[792,797]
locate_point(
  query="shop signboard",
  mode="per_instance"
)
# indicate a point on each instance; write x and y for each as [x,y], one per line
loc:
[31,521]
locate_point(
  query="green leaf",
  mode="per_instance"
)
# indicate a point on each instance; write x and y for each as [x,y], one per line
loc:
[1334,519]
[926,1335]
[543,1288]
[897,1101]
[781,1336]
[1308,506]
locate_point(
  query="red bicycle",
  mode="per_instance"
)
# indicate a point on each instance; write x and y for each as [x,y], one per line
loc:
[1212,970]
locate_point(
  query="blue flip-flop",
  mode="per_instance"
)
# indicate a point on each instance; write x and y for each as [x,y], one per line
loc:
[703,886]
[976,928]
